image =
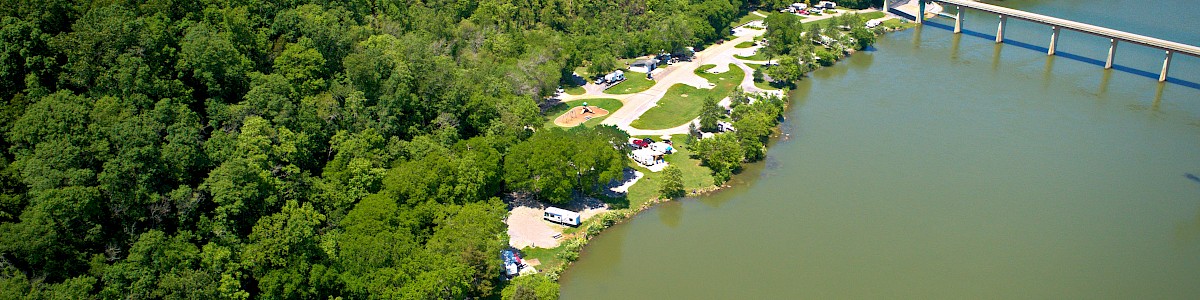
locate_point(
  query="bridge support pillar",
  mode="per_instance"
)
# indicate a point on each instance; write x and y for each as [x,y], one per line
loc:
[1112,52]
[921,12]
[958,20]
[1000,29]
[1166,66]
[1053,41]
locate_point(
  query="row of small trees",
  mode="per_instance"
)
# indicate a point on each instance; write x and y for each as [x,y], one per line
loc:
[754,117]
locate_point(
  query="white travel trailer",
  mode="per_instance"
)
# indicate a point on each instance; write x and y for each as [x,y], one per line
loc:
[561,216]
[615,76]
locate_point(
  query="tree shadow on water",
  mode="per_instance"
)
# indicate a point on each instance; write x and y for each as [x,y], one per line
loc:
[1187,233]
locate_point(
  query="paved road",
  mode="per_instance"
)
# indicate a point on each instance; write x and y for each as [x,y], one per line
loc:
[634,105]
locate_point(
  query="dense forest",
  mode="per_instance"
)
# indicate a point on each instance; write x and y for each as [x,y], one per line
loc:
[296,149]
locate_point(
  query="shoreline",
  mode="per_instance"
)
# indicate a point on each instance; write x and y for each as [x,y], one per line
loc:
[571,245]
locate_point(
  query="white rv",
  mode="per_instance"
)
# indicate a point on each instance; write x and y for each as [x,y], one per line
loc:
[561,216]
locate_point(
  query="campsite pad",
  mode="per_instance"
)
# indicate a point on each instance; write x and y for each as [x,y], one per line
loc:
[576,116]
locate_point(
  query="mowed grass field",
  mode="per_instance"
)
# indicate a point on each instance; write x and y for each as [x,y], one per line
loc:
[758,55]
[634,83]
[750,16]
[682,103]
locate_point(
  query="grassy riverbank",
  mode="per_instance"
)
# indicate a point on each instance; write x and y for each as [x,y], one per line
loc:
[681,104]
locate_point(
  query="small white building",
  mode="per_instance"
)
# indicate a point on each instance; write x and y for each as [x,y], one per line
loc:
[561,216]
[644,65]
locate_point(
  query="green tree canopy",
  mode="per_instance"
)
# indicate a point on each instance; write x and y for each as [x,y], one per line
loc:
[554,163]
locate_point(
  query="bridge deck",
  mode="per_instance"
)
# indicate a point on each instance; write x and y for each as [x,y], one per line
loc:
[1077,26]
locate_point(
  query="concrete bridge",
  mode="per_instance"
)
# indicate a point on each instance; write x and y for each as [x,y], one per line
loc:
[1057,24]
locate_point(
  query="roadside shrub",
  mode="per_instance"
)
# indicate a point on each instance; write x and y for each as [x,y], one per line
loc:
[826,58]
[533,286]
[672,185]
[571,249]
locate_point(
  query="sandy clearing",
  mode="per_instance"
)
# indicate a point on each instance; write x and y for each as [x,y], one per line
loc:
[526,228]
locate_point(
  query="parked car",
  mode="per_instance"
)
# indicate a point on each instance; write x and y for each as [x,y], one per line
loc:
[638,144]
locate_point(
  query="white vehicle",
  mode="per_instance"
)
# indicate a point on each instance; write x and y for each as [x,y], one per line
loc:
[511,270]
[662,147]
[646,156]
[873,23]
[615,76]
[798,6]
[826,4]
[561,216]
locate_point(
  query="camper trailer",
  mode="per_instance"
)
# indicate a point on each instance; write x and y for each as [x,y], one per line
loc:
[561,216]
[615,76]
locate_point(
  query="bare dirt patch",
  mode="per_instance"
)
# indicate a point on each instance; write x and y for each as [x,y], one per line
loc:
[526,228]
[577,115]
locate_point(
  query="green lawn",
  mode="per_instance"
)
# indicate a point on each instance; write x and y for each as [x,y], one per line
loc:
[682,103]
[746,44]
[758,55]
[695,176]
[582,71]
[749,17]
[574,90]
[548,257]
[634,83]
[897,23]
[609,104]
